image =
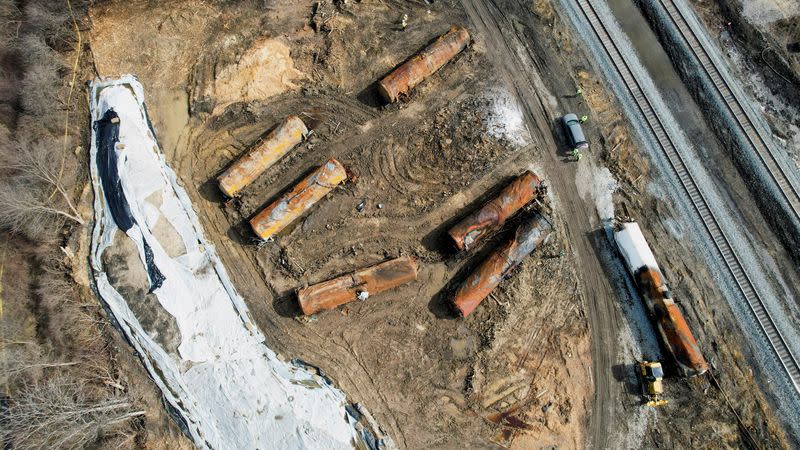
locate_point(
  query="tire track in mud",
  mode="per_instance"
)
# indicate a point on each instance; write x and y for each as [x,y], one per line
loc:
[385,167]
[353,369]
[208,149]
[240,128]
[294,338]
[598,296]
[351,360]
[382,228]
[213,380]
[211,147]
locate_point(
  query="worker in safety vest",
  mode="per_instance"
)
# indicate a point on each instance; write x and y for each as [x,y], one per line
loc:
[577,154]
[584,119]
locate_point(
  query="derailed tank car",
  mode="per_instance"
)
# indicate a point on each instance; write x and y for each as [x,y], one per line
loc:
[673,331]
[250,166]
[532,233]
[422,65]
[494,213]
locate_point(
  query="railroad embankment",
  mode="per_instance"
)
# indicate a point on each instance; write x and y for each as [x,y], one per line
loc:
[771,173]
[768,30]
[673,156]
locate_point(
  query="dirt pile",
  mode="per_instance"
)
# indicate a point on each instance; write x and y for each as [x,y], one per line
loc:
[264,70]
[114,36]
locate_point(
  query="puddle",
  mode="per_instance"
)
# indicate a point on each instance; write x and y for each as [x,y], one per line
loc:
[173,107]
[668,82]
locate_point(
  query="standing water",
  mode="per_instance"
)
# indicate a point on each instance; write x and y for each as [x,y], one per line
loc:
[667,80]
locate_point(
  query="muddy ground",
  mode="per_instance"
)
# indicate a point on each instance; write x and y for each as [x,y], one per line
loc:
[699,409]
[522,369]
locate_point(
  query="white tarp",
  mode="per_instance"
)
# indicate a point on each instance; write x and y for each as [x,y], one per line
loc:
[230,389]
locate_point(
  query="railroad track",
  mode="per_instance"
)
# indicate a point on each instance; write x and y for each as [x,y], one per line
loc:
[734,105]
[710,222]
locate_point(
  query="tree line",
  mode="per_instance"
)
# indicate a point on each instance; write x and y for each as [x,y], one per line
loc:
[60,386]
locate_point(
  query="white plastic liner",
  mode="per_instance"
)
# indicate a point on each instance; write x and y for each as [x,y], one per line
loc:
[229,388]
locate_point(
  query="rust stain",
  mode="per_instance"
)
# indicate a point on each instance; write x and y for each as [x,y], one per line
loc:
[423,64]
[277,144]
[671,324]
[509,419]
[495,212]
[499,264]
[366,283]
[294,203]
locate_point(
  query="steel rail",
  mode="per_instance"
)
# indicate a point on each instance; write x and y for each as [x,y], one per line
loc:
[698,199]
[735,106]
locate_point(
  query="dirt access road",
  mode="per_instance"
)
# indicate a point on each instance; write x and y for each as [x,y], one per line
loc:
[537,55]
[581,218]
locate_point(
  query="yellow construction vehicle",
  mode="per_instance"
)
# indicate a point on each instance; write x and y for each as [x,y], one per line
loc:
[651,374]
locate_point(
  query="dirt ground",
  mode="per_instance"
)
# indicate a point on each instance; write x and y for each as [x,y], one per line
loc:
[522,370]
[546,44]
[520,365]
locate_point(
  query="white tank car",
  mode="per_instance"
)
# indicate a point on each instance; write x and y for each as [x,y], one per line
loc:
[634,249]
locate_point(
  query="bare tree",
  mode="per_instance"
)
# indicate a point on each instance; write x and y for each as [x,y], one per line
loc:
[10,20]
[42,84]
[60,388]
[60,413]
[36,196]
[50,19]
[17,366]
[37,169]
[17,350]
[42,160]
[29,209]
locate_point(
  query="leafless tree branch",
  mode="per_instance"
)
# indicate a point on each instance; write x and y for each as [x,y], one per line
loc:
[60,413]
